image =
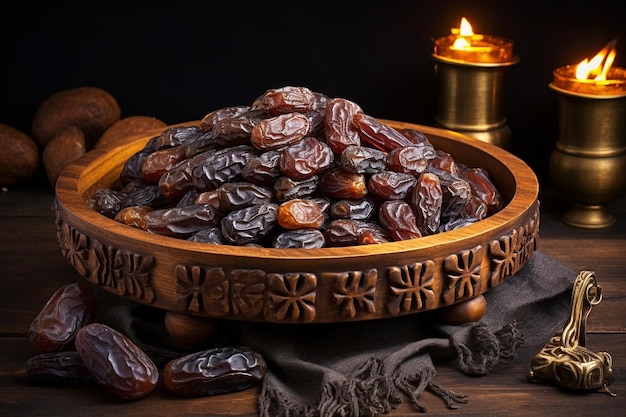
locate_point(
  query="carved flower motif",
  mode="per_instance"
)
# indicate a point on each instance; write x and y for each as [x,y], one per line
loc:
[292,297]
[412,287]
[462,273]
[355,291]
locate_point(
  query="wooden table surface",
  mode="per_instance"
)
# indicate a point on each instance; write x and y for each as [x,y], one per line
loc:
[32,268]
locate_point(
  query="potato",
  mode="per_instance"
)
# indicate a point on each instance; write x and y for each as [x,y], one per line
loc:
[19,158]
[91,109]
[61,150]
[127,127]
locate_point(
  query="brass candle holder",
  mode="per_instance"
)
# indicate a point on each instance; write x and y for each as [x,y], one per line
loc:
[589,160]
[470,99]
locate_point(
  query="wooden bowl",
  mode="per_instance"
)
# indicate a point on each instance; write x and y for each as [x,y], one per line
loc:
[300,285]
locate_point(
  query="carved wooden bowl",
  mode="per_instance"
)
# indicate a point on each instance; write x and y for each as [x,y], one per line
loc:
[300,285]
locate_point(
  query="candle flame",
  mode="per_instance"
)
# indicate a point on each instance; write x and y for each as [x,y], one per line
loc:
[598,67]
[465,29]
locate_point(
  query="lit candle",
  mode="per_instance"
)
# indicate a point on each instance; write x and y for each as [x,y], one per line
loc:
[597,77]
[466,46]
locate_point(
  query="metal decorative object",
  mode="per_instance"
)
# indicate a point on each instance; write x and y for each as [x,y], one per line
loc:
[564,360]
[589,158]
[471,98]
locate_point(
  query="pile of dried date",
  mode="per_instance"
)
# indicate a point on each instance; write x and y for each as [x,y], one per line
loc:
[295,169]
[73,349]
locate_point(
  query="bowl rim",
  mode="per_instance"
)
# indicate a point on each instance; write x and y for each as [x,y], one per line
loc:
[81,176]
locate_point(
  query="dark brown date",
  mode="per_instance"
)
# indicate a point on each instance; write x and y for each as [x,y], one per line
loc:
[174,183]
[158,162]
[58,368]
[444,161]
[148,196]
[391,185]
[115,362]
[211,198]
[456,193]
[68,309]
[378,134]
[238,195]
[356,209]
[288,99]
[426,198]
[250,224]
[106,201]
[263,169]
[482,187]
[339,129]
[211,235]
[300,213]
[221,166]
[214,371]
[280,131]
[348,232]
[363,159]
[211,118]
[181,222]
[409,159]
[286,188]
[398,219]
[305,158]
[237,130]
[299,239]
[339,183]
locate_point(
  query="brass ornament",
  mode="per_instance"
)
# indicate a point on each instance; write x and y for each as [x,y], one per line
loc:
[564,360]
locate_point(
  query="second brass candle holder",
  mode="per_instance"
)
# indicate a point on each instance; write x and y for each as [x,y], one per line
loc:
[470,98]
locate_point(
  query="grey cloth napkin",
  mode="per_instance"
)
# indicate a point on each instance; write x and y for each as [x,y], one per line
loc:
[363,368]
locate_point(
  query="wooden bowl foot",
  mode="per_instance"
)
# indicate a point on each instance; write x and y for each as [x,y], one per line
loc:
[465,311]
[187,330]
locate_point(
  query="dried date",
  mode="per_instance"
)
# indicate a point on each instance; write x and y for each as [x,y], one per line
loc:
[211,235]
[263,169]
[106,201]
[305,158]
[286,188]
[378,134]
[482,187]
[391,185]
[237,130]
[68,309]
[426,199]
[356,209]
[398,219]
[221,166]
[161,161]
[348,232]
[181,222]
[133,216]
[58,368]
[299,239]
[409,159]
[238,195]
[211,118]
[288,99]
[214,371]
[250,224]
[339,183]
[363,159]
[280,131]
[340,132]
[299,214]
[115,362]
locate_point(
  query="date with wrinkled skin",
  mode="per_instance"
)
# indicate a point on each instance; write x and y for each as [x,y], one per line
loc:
[238,195]
[214,371]
[149,196]
[300,214]
[263,169]
[299,239]
[408,159]
[115,362]
[133,216]
[181,222]
[426,199]
[288,99]
[339,129]
[158,162]
[177,181]
[250,224]
[221,166]
[280,131]
[237,130]
[339,183]
[58,368]
[106,201]
[211,118]
[305,158]
[356,209]
[286,188]
[456,193]
[482,187]
[391,185]
[378,134]
[363,159]
[68,309]
[349,232]
[398,219]
[443,161]
[212,235]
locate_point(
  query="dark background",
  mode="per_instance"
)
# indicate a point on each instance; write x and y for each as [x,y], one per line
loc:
[179,60]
